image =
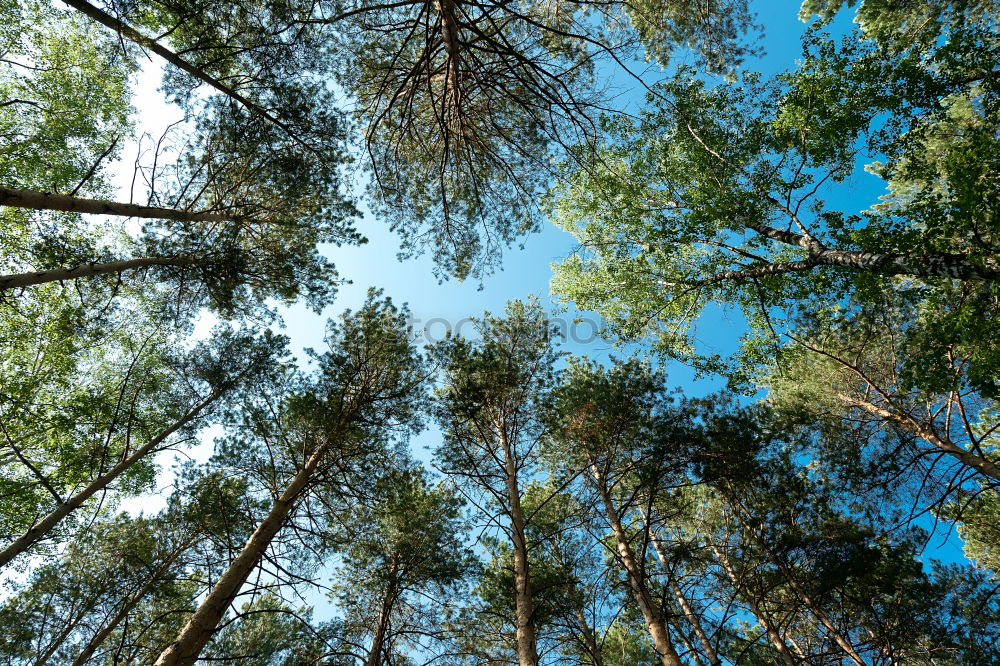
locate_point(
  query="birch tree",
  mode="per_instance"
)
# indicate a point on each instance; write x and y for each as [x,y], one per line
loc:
[718,195]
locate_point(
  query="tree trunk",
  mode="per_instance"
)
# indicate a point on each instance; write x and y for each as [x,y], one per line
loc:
[189,643]
[913,426]
[940,264]
[43,526]
[378,641]
[134,35]
[819,614]
[127,608]
[762,620]
[63,202]
[14,281]
[589,639]
[650,611]
[953,266]
[527,652]
[693,619]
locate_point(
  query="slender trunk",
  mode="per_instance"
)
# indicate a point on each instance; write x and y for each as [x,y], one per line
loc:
[913,426]
[36,200]
[42,527]
[449,36]
[804,596]
[944,265]
[589,639]
[134,35]
[762,620]
[375,656]
[127,608]
[527,652]
[650,611]
[14,281]
[693,619]
[686,640]
[57,642]
[189,643]
[819,614]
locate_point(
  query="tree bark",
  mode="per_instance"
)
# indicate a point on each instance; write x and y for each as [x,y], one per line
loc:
[913,426]
[43,526]
[650,611]
[762,620]
[192,639]
[33,278]
[378,641]
[527,652]
[134,35]
[35,200]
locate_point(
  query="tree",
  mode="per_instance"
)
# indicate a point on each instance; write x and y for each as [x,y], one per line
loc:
[236,205]
[463,104]
[71,441]
[489,409]
[713,197]
[403,558]
[365,392]
[244,211]
[855,374]
[602,421]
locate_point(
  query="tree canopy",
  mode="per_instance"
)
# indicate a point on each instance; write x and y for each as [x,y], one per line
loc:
[182,483]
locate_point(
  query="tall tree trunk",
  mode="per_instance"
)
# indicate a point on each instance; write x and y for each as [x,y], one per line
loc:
[42,527]
[378,640]
[772,634]
[693,618]
[102,635]
[924,432]
[527,652]
[589,639]
[142,40]
[33,278]
[192,639]
[650,611]
[36,200]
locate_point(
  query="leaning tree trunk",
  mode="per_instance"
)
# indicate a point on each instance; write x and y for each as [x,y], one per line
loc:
[979,463]
[33,278]
[801,592]
[385,612]
[589,638]
[192,639]
[42,527]
[772,633]
[142,40]
[934,265]
[693,618]
[128,607]
[66,203]
[650,611]
[527,652]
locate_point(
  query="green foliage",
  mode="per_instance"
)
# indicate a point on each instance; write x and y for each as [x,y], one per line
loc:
[712,197]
